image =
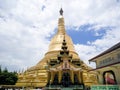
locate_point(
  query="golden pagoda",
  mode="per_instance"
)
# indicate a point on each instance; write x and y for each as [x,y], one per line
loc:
[61,64]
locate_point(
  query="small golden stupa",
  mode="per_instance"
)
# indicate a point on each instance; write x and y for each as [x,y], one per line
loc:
[61,65]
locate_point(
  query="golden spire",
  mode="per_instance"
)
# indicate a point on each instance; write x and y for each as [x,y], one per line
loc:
[61,26]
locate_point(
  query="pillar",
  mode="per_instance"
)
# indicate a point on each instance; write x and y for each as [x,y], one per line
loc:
[79,76]
[72,76]
[100,77]
[52,77]
[60,76]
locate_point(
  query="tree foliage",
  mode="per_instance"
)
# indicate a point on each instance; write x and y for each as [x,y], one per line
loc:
[7,78]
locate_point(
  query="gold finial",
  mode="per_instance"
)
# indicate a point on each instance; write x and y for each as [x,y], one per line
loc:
[61,12]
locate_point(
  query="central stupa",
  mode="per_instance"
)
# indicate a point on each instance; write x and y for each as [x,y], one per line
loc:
[61,64]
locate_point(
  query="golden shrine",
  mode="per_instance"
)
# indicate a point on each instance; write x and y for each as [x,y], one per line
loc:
[61,65]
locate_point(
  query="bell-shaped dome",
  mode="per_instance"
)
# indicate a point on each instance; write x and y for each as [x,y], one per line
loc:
[57,40]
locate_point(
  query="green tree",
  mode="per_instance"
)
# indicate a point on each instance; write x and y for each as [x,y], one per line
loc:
[8,78]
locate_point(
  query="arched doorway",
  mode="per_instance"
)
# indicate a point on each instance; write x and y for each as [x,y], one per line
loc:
[66,79]
[109,77]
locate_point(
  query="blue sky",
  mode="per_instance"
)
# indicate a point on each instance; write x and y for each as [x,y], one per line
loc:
[26,27]
[83,34]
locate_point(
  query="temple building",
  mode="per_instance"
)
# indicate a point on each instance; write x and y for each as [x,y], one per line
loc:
[108,66]
[61,65]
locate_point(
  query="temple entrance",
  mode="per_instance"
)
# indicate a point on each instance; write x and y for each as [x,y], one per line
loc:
[66,79]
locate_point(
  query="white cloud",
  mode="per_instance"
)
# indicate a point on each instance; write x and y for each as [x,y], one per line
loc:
[99,45]
[25,27]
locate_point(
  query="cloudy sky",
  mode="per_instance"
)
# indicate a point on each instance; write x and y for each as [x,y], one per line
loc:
[27,26]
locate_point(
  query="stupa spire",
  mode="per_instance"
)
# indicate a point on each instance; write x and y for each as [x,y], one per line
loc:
[57,40]
[61,26]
